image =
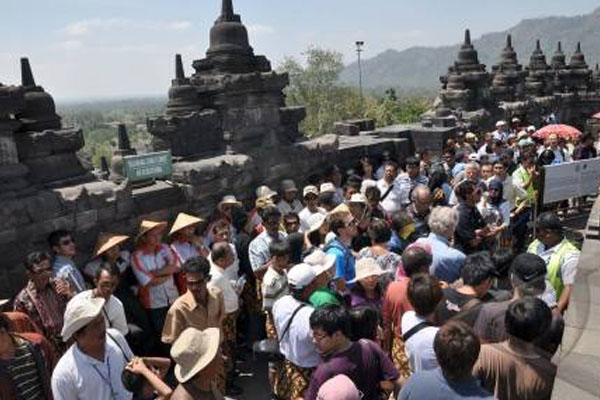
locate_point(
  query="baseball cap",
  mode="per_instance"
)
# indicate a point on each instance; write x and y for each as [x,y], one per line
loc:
[528,267]
[327,187]
[310,189]
[301,275]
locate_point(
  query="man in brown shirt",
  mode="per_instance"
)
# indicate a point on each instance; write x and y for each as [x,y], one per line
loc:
[528,278]
[200,307]
[517,369]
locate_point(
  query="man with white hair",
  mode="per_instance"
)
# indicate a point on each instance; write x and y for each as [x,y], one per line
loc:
[447,261]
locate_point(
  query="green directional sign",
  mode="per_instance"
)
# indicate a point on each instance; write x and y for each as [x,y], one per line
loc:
[148,166]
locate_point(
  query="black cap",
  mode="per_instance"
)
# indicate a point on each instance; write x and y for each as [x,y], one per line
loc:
[528,267]
[550,221]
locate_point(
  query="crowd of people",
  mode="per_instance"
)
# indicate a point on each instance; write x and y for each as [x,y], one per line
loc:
[408,279]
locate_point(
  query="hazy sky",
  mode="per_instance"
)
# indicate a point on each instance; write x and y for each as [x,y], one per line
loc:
[113,48]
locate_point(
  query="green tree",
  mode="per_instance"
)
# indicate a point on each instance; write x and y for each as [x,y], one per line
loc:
[314,85]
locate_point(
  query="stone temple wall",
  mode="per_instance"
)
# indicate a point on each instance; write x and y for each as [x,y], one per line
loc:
[103,206]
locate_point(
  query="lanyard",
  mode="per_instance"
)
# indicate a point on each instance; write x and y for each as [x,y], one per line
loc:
[106,380]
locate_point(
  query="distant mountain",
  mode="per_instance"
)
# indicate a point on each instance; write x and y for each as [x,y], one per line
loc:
[418,68]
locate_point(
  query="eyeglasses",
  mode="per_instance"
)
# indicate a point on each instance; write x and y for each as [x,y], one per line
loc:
[199,281]
[352,224]
[41,270]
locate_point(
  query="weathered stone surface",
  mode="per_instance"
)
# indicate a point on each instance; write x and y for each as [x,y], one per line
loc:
[194,133]
[346,129]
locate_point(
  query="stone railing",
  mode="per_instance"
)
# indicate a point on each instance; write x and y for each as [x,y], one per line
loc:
[579,356]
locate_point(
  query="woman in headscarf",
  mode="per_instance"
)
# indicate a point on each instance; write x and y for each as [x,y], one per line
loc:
[495,210]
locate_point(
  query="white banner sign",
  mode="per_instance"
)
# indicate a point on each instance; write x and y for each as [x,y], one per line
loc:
[569,180]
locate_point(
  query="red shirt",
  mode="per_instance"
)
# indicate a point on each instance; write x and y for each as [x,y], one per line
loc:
[395,304]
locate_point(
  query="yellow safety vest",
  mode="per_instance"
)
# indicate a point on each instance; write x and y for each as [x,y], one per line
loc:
[523,175]
[555,262]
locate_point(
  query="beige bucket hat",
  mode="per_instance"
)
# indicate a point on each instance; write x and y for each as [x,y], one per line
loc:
[320,261]
[80,312]
[193,351]
[366,267]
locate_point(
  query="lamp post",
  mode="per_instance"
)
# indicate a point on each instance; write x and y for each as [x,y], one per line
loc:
[359,46]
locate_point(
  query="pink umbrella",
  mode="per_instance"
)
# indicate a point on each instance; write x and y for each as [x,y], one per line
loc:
[564,131]
[596,116]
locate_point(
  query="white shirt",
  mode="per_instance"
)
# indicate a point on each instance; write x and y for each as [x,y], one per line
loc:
[287,208]
[79,376]
[274,286]
[304,216]
[419,347]
[568,268]
[123,262]
[233,270]
[113,311]
[184,251]
[219,279]
[158,296]
[258,251]
[393,202]
[297,345]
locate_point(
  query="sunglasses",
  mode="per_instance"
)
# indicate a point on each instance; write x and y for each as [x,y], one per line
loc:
[42,270]
[67,242]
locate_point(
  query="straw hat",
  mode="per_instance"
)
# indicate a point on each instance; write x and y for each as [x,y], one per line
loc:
[193,351]
[358,198]
[228,199]
[265,191]
[327,187]
[315,222]
[147,225]
[107,241]
[184,220]
[366,267]
[320,261]
[470,136]
[80,311]
[341,209]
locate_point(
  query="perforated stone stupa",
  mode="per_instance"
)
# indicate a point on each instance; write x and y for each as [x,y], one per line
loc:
[569,90]
[233,99]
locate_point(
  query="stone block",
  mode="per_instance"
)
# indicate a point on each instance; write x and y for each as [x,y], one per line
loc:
[43,206]
[345,129]
[54,167]
[86,220]
[188,135]
[363,124]
[125,208]
[107,214]
[42,144]
[13,214]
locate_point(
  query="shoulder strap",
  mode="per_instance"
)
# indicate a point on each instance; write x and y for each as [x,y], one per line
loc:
[119,346]
[415,329]
[289,324]
[387,192]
